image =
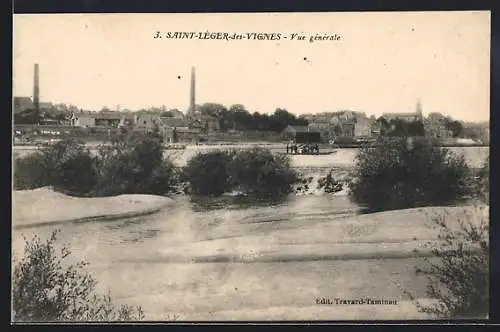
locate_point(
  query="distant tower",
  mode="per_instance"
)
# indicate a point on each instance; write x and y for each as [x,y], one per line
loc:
[192,93]
[419,110]
[36,91]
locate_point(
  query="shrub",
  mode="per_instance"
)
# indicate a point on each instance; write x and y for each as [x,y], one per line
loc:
[459,280]
[134,165]
[45,290]
[72,168]
[329,184]
[259,173]
[31,172]
[67,166]
[401,173]
[207,173]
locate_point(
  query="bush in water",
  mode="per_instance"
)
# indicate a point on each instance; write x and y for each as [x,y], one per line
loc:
[207,173]
[329,184]
[459,280]
[72,167]
[31,172]
[401,173]
[67,166]
[260,173]
[134,165]
[44,289]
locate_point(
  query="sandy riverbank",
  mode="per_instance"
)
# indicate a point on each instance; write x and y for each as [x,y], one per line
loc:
[384,235]
[252,264]
[45,206]
[277,273]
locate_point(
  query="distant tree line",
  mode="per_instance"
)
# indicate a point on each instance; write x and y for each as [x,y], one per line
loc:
[398,127]
[237,117]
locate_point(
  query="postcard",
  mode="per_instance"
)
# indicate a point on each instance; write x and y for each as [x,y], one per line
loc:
[250,166]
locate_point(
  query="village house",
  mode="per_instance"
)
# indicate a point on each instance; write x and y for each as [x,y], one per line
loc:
[362,127]
[22,104]
[127,121]
[171,126]
[146,122]
[290,132]
[107,119]
[437,130]
[326,129]
[376,129]
[176,113]
[174,122]
[46,106]
[83,119]
[348,124]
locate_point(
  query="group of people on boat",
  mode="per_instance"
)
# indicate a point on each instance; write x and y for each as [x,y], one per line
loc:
[295,148]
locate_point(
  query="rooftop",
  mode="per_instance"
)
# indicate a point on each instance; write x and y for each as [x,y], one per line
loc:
[174,122]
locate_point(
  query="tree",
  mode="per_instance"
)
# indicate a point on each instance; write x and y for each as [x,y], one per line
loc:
[455,127]
[404,173]
[212,109]
[282,118]
[259,173]
[31,172]
[384,126]
[71,167]
[134,165]
[207,173]
[242,119]
[398,128]
[416,128]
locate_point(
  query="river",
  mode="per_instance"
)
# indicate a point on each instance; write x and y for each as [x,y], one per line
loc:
[138,261]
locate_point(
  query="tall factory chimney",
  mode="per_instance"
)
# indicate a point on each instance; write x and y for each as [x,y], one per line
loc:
[192,93]
[419,110]
[36,91]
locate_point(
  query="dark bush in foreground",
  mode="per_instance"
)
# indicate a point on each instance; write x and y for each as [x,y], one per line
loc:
[207,173]
[44,289]
[402,173]
[260,173]
[459,280]
[31,172]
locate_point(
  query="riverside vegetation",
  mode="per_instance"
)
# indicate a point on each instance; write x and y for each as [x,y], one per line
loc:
[136,165]
[45,289]
[401,174]
[396,175]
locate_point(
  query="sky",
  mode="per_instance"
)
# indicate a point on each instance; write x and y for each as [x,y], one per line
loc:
[383,62]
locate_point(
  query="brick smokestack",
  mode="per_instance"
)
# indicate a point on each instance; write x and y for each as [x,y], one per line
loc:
[192,95]
[36,90]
